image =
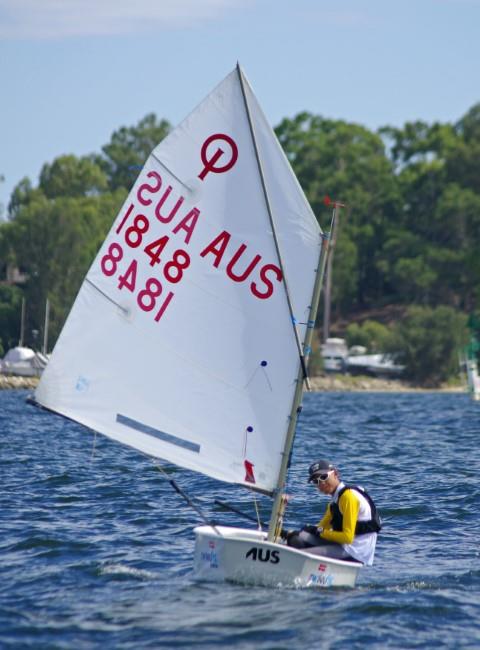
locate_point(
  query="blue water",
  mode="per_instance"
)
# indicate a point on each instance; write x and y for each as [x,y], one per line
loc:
[96,548]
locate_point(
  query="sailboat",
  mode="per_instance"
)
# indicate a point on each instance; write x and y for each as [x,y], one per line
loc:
[190,335]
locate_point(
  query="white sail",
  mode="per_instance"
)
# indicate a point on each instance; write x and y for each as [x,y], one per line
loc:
[180,342]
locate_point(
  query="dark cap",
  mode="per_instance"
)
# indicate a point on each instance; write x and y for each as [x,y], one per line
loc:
[319,467]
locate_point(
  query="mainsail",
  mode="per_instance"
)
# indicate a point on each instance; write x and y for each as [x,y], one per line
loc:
[181,342]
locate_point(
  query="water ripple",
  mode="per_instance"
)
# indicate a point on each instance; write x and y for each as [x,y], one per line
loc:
[96,549]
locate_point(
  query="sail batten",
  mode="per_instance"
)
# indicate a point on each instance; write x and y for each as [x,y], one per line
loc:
[106,296]
[156,433]
[180,343]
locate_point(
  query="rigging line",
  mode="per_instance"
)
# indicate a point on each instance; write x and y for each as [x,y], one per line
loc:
[227,506]
[183,494]
[257,511]
[272,224]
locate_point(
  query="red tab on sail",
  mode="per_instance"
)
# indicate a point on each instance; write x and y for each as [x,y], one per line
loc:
[249,477]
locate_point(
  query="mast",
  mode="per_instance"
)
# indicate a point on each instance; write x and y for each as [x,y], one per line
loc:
[297,398]
[45,329]
[22,325]
[327,298]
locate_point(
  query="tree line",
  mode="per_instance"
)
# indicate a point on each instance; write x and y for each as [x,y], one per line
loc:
[407,245]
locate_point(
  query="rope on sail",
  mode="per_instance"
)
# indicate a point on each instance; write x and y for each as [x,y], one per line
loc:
[274,232]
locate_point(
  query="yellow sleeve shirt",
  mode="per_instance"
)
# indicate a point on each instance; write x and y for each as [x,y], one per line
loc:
[349,507]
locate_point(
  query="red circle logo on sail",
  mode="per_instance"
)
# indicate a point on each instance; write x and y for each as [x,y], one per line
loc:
[210,164]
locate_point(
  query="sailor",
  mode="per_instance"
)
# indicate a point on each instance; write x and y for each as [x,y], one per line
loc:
[348,530]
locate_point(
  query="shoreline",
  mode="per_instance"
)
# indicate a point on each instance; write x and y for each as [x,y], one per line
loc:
[324,383]
[363,383]
[12,382]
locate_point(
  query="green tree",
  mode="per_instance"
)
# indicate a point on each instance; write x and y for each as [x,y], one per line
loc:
[10,315]
[429,251]
[427,341]
[23,193]
[374,336]
[349,163]
[463,160]
[72,176]
[129,148]
[54,242]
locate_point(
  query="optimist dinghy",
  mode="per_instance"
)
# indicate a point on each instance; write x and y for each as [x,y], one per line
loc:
[190,334]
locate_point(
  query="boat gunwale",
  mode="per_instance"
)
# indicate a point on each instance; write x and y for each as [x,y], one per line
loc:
[262,538]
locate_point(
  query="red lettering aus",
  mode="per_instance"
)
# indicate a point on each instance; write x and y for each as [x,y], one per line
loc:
[217,247]
[243,276]
[145,188]
[173,211]
[188,224]
[269,287]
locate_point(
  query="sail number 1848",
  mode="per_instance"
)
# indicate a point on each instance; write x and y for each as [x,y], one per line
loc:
[149,293]
[147,296]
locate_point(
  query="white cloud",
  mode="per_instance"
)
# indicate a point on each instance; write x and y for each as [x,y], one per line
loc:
[52,19]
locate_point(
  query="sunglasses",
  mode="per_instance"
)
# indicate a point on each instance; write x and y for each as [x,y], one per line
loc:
[321,478]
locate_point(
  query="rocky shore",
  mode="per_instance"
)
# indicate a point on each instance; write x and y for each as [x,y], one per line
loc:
[9,381]
[327,383]
[350,383]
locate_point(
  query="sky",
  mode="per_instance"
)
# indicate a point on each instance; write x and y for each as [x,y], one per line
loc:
[74,71]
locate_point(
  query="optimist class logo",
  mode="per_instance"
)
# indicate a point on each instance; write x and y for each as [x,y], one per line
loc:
[210,163]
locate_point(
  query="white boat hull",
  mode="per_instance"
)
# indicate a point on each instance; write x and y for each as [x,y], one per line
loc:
[244,556]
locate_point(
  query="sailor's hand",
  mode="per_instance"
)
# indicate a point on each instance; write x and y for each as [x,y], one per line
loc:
[288,534]
[313,530]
